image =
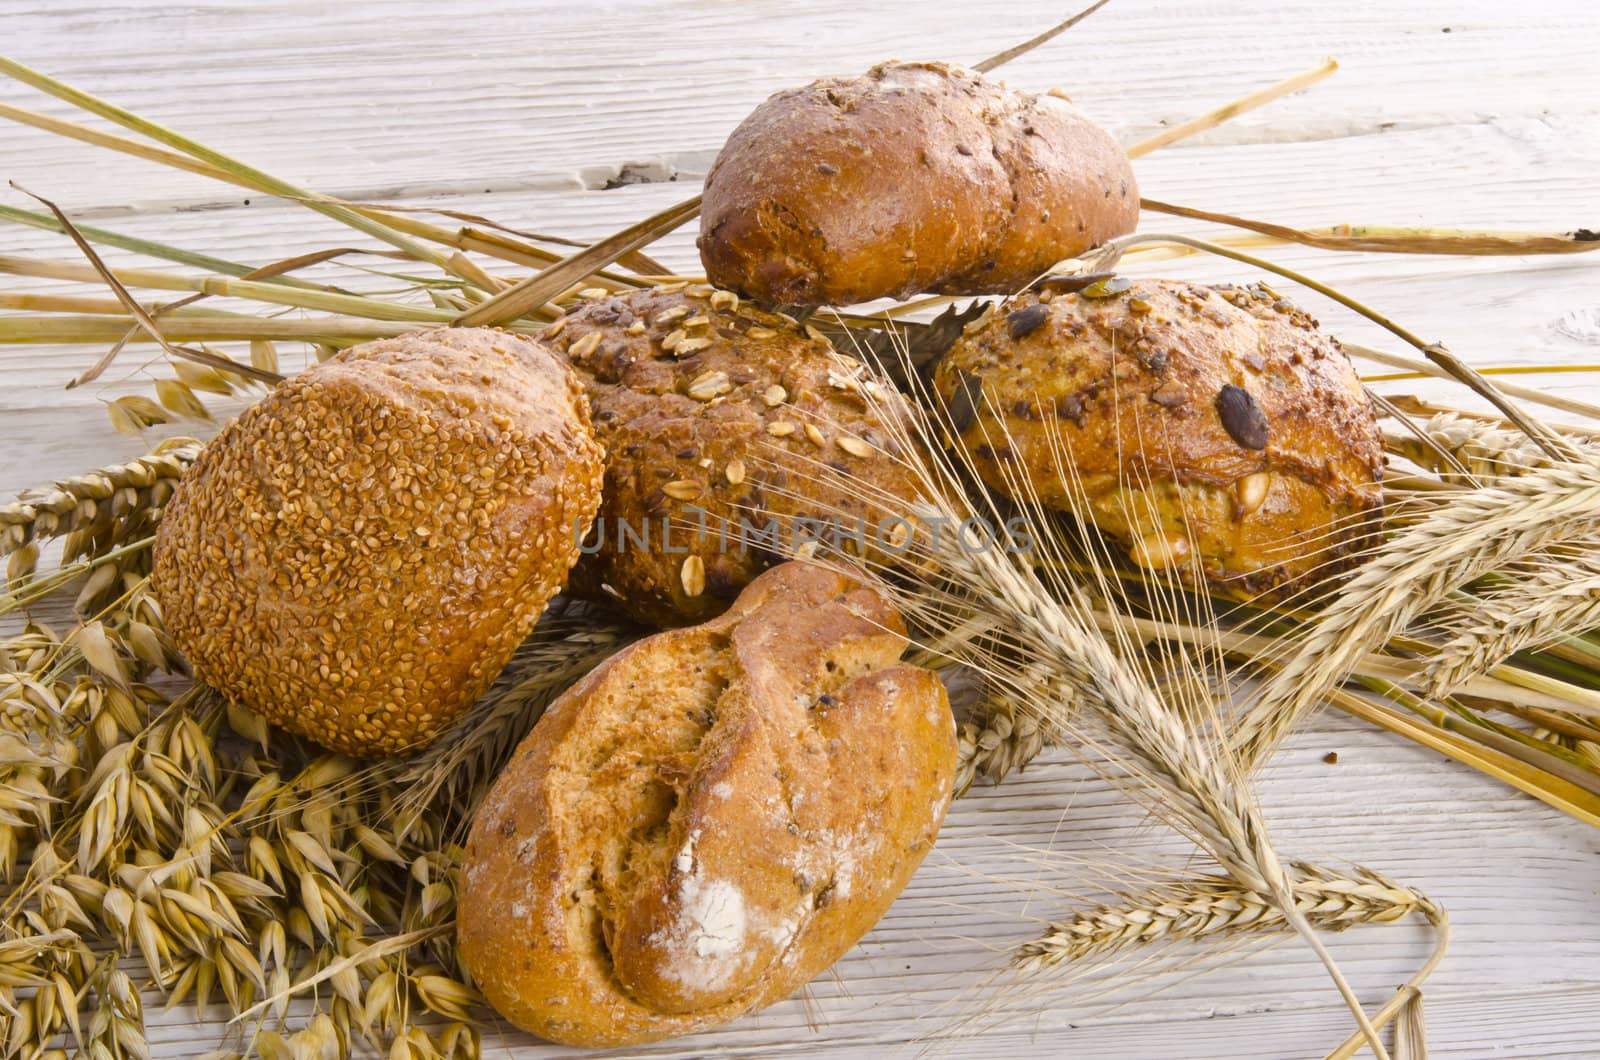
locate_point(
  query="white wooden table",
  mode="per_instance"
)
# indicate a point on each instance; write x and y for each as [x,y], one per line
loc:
[1445,113]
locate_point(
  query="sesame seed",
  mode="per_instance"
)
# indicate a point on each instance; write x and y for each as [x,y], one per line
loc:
[814,433]
[734,472]
[774,396]
[350,490]
[780,429]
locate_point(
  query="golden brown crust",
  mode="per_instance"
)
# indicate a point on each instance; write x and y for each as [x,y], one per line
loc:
[713,412]
[709,819]
[913,177]
[357,555]
[1217,422]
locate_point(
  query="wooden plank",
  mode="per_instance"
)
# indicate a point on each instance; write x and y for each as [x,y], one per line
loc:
[522,113]
[505,97]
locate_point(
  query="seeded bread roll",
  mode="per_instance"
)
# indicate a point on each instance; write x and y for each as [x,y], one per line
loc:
[717,415]
[914,177]
[709,819]
[1216,424]
[358,554]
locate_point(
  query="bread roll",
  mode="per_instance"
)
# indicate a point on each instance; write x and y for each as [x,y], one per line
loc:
[709,819]
[716,415]
[914,177]
[358,554]
[1197,423]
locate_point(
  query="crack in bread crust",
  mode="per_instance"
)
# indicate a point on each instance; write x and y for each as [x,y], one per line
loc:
[779,776]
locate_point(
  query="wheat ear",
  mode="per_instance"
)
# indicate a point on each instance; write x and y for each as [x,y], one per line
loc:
[1417,568]
[1212,906]
[1549,598]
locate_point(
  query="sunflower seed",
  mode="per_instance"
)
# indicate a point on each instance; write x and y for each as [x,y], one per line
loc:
[709,385]
[774,396]
[693,575]
[1252,490]
[854,446]
[683,489]
[780,429]
[584,346]
[734,472]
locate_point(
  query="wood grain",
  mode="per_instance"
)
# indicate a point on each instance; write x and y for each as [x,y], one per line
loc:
[1443,113]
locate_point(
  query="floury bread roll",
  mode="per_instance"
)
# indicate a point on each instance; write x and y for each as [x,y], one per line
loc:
[913,177]
[358,554]
[709,819]
[1209,427]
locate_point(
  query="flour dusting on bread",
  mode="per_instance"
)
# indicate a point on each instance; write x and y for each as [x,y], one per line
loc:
[709,819]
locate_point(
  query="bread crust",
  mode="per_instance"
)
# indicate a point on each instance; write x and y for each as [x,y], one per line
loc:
[358,554]
[714,412]
[1208,422]
[913,177]
[709,819]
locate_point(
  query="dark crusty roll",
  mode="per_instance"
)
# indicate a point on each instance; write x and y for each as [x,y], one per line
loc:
[709,819]
[358,554]
[1215,424]
[718,419]
[914,177]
